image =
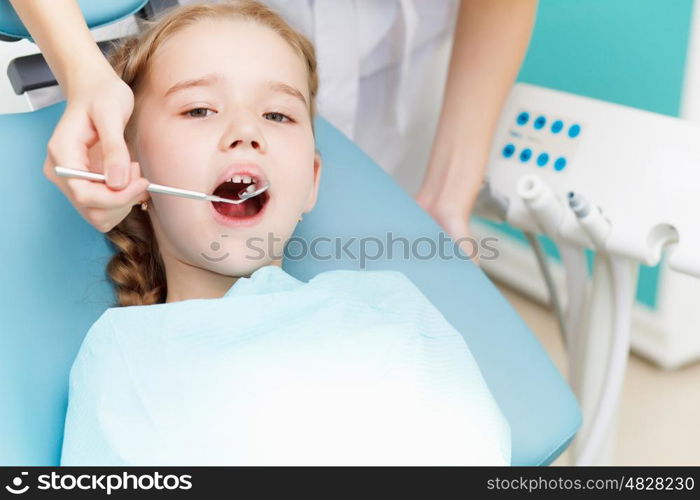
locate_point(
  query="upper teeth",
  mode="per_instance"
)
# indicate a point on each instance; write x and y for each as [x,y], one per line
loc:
[241,178]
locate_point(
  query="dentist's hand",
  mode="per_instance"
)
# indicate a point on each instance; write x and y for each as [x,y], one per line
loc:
[90,136]
[455,221]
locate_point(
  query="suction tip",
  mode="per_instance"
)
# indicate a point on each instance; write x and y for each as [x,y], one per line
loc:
[578,204]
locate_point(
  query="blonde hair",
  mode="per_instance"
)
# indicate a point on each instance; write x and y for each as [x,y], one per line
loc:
[136,269]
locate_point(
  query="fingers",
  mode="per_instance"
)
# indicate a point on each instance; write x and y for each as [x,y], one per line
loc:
[49,171]
[115,154]
[90,136]
[90,195]
[66,147]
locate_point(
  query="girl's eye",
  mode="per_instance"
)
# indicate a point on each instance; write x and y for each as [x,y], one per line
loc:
[197,115]
[278,115]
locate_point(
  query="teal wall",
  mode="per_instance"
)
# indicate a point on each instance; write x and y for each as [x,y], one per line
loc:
[629,52]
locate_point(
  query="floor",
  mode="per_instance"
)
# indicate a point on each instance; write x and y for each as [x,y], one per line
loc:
[659,421]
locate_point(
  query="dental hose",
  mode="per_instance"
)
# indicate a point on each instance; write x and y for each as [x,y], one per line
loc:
[497,205]
[548,211]
[621,273]
[576,272]
[549,281]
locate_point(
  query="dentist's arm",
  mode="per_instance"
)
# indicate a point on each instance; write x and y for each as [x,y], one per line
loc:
[491,38]
[99,105]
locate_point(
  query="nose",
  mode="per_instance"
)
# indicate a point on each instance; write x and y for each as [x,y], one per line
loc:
[243,132]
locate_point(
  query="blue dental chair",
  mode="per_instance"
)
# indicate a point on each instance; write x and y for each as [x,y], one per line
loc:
[54,284]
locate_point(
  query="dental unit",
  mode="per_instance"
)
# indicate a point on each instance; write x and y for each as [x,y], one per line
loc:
[613,179]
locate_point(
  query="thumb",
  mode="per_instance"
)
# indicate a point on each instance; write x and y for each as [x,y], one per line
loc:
[115,155]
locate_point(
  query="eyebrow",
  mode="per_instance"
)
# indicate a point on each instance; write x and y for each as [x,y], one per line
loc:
[196,82]
[287,89]
[275,86]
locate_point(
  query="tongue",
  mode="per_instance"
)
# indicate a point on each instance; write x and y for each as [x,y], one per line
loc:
[230,190]
[246,209]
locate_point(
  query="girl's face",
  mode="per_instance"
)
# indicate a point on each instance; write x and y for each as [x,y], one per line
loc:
[218,97]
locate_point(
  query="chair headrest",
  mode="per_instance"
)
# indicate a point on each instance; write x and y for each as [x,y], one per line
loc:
[97,13]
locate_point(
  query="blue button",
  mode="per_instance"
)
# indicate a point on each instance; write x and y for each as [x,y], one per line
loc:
[542,159]
[574,130]
[560,164]
[523,118]
[540,122]
[525,155]
[557,126]
[508,150]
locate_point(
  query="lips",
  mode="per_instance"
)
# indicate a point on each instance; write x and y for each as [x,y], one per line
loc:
[250,211]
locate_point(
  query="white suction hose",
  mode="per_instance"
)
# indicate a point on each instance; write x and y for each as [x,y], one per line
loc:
[576,271]
[621,274]
[545,207]
[548,211]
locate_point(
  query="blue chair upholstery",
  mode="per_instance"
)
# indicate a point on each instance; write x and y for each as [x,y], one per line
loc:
[55,287]
[96,13]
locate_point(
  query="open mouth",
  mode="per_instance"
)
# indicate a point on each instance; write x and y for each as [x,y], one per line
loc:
[230,189]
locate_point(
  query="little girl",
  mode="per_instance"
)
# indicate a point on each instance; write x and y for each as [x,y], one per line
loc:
[214,354]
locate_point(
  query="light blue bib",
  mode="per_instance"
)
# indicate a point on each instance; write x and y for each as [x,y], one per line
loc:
[351,368]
